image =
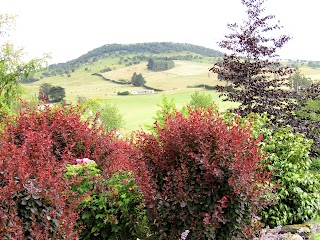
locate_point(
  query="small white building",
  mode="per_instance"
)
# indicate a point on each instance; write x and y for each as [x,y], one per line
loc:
[145,91]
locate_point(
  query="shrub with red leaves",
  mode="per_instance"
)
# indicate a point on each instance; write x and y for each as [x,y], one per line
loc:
[35,147]
[207,175]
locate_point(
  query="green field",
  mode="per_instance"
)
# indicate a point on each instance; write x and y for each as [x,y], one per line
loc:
[138,110]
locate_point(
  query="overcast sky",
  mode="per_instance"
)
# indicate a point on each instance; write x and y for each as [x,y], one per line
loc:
[69,28]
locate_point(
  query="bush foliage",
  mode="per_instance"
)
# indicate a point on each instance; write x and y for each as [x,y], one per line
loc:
[197,173]
[35,148]
[207,176]
[112,208]
[295,174]
[298,192]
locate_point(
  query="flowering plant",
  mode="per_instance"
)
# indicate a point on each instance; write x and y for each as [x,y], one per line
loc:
[110,208]
[84,160]
[83,173]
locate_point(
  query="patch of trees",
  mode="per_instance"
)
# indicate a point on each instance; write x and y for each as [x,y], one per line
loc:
[51,93]
[314,64]
[28,79]
[12,66]
[160,64]
[156,47]
[299,81]
[107,69]
[137,80]
[129,61]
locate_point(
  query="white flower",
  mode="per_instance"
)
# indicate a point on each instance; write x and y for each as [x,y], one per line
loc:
[184,235]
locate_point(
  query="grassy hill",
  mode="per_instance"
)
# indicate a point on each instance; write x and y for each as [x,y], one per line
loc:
[191,64]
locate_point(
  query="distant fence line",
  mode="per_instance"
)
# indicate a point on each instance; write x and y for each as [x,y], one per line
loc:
[203,86]
[125,82]
[110,80]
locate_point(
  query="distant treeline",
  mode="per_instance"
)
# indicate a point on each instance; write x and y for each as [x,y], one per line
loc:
[141,50]
[29,79]
[151,88]
[314,64]
[160,64]
[203,86]
[123,82]
[156,48]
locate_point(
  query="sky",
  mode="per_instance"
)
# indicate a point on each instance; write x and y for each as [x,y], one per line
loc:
[67,29]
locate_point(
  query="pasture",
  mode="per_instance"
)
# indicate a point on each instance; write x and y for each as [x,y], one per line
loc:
[139,110]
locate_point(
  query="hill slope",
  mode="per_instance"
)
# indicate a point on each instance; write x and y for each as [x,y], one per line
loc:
[142,51]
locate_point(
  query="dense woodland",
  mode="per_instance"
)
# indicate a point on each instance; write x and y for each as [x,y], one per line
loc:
[160,64]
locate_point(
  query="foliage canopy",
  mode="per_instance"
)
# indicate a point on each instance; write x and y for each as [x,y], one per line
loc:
[137,80]
[256,79]
[12,66]
[51,93]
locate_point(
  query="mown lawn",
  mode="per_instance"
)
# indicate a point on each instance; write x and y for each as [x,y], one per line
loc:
[139,110]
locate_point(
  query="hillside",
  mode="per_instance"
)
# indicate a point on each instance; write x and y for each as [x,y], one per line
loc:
[94,76]
[86,75]
[140,51]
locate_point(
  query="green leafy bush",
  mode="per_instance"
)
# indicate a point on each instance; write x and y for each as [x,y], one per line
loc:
[295,174]
[112,208]
[107,113]
[317,236]
[315,165]
[298,195]
[200,99]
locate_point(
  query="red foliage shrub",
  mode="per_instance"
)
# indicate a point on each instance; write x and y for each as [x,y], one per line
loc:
[35,147]
[126,157]
[207,176]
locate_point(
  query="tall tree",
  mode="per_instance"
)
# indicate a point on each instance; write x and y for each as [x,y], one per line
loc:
[12,67]
[44,91]
[51,93]
[199,100]
[57,94]
[299,81]
[255,78]
[137,80]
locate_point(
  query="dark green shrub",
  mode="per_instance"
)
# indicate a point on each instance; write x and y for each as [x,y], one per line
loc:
[32,207]
[123,93]
[107,69]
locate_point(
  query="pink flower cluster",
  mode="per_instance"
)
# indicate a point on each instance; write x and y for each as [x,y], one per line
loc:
[83,160]
[185,234]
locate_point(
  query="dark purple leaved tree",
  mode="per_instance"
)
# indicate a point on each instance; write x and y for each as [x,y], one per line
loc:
[255,78]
